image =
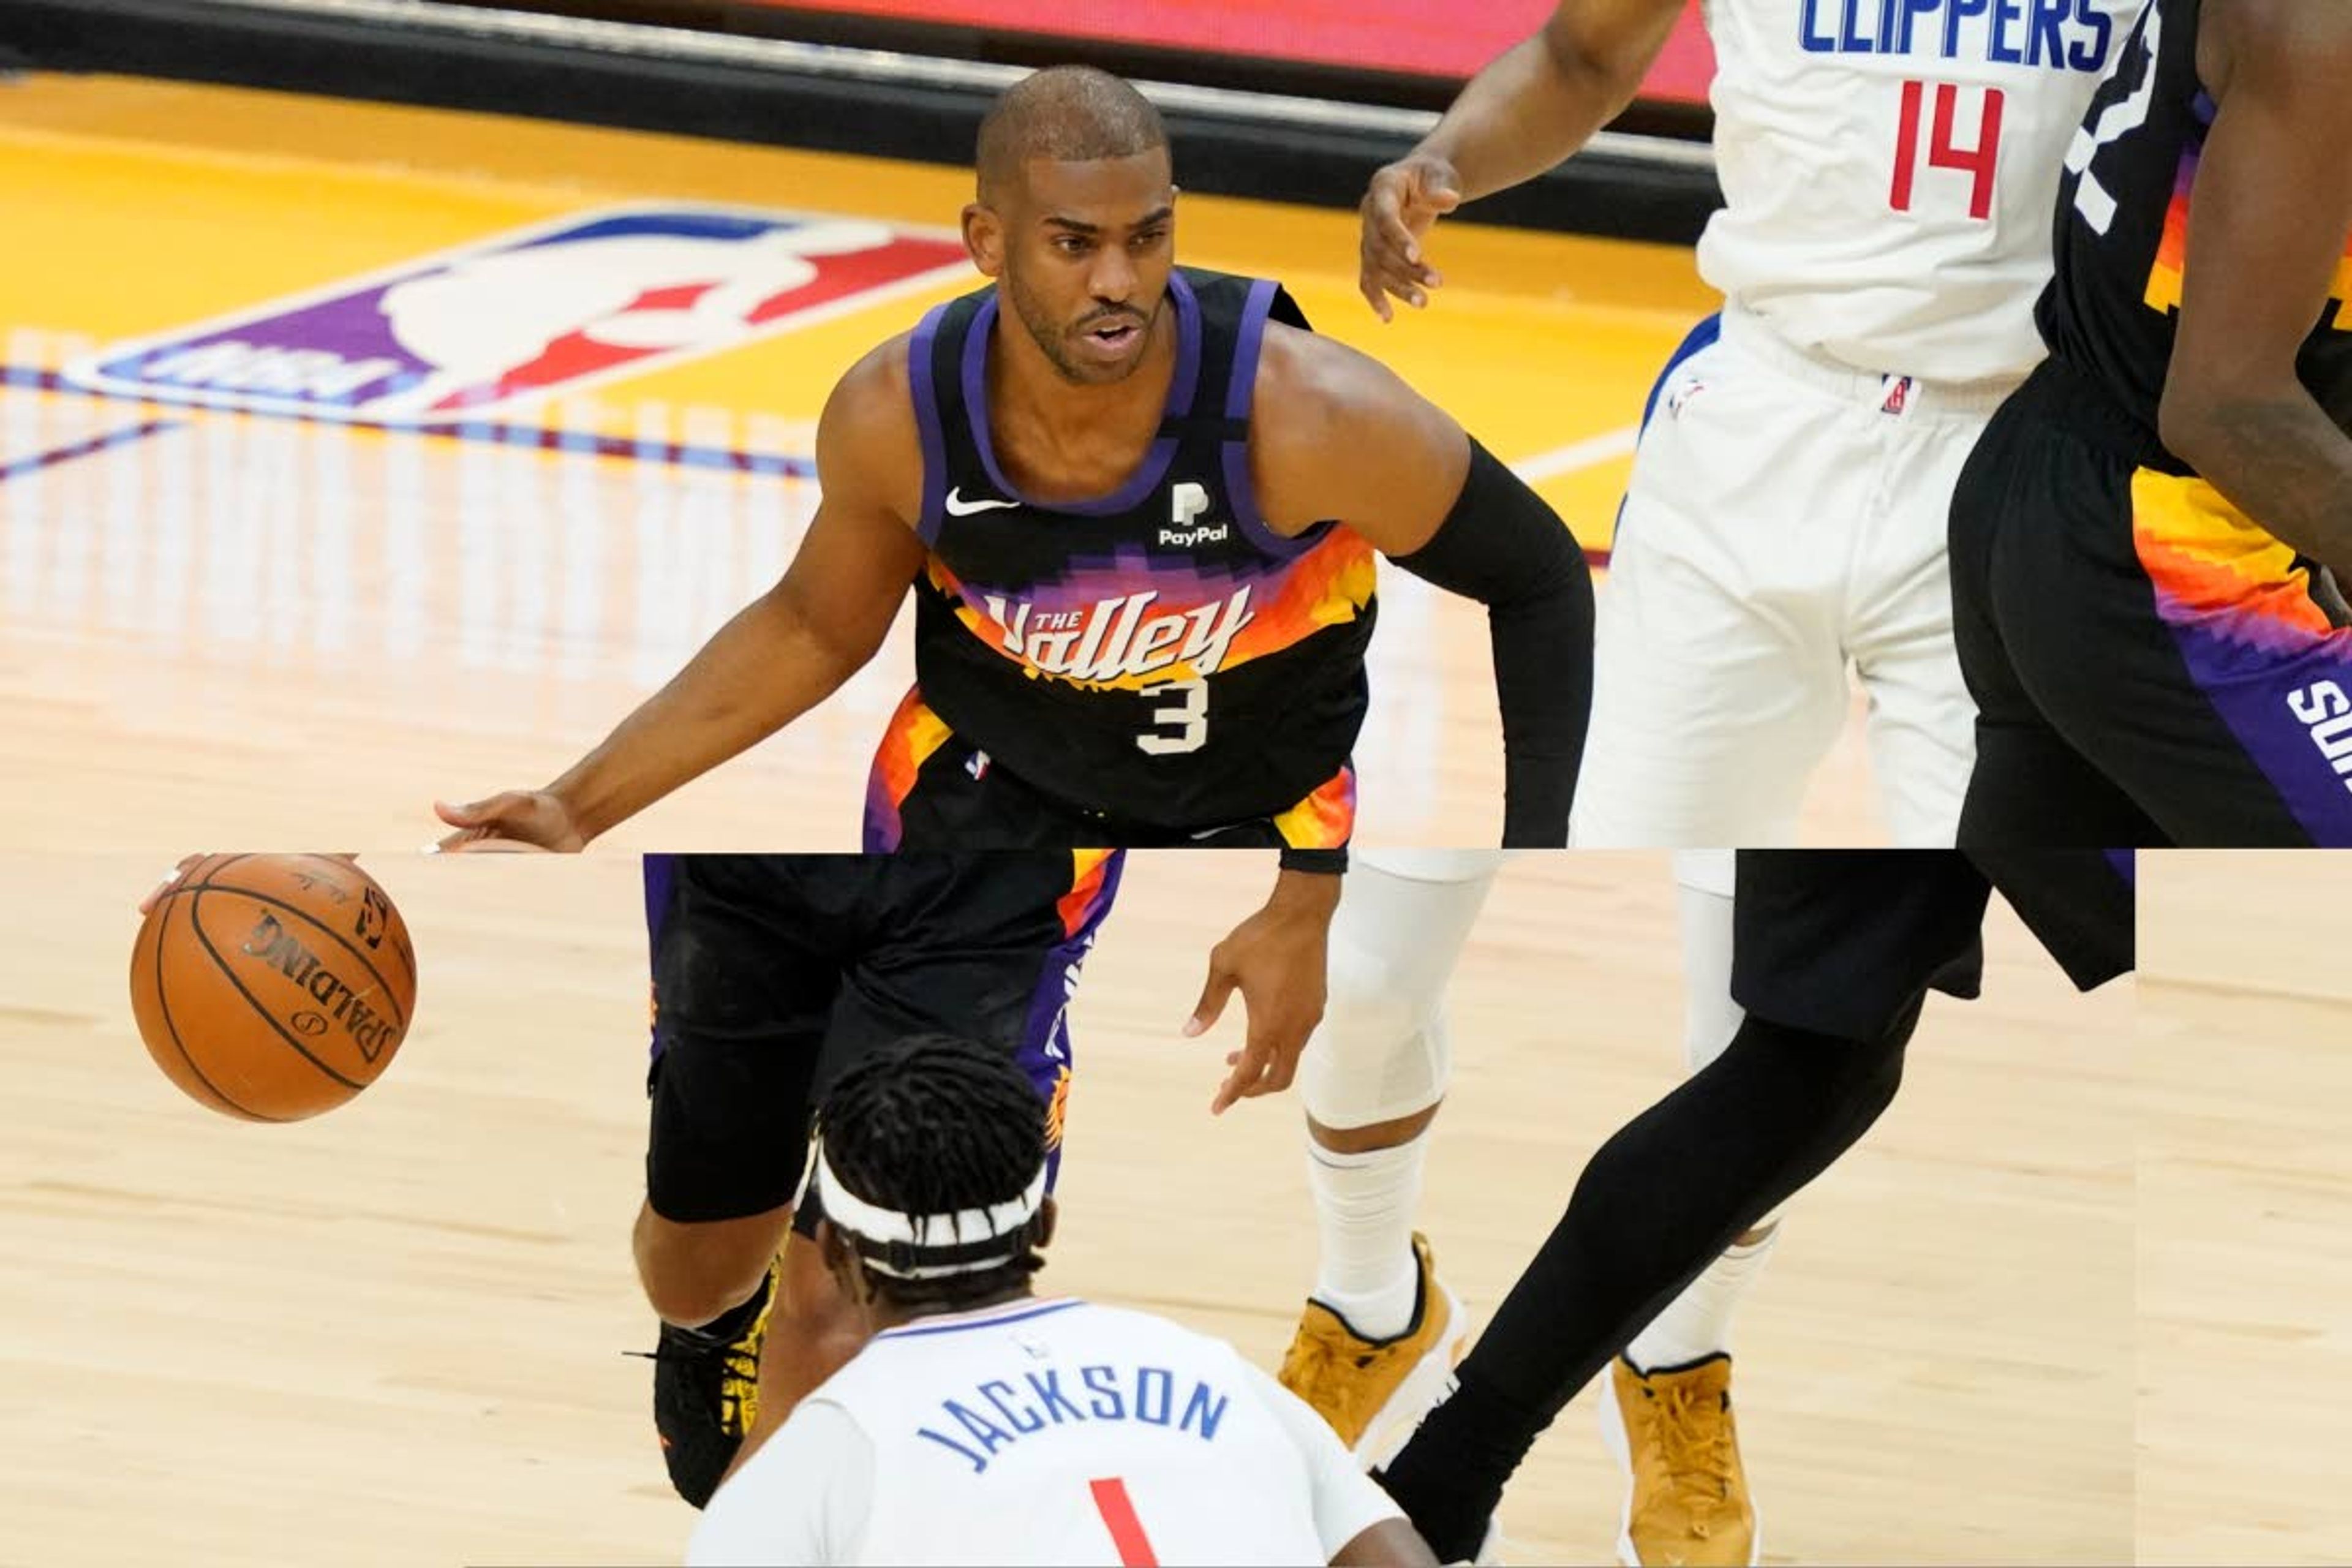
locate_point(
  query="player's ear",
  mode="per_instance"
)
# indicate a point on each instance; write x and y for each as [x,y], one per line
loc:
[984,238]
[1049,1214]
[840,1259]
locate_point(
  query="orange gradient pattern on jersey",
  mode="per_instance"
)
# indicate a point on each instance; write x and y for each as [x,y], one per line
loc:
[913,733]
[2164,277]
[1328,585]
[2215,568]
[1324,820]
[1083,902]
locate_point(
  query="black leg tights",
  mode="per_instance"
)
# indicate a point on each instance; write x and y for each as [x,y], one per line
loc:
[1657,1204]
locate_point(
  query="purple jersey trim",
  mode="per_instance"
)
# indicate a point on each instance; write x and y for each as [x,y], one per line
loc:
[2252,703]
[1154,466]
[984,1317]
[1185,387]
[1045,1048]
[927,421]
[1241,391]
[660,873]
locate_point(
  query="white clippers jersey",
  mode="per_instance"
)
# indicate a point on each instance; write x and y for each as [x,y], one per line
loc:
[1044,1432]
[1890,169]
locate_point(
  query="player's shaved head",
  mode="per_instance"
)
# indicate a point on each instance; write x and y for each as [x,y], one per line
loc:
[1068,114]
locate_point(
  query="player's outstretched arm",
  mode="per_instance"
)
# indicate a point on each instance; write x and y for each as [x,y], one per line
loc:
[1353,442]
[1277,959]
[782,654]
[2267,230]
[1529,108]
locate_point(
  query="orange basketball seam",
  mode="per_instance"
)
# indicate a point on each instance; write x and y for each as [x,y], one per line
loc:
[208,872]
[310,919]
[260,1010]
[407,959]
[164,1006]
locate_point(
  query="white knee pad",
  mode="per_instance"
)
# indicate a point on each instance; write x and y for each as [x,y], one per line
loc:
[1710,1018]
[1382,1050]
[1433,865]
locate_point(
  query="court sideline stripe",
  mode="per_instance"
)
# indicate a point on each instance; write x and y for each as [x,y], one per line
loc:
[670,454]
[20,467]
[1544,466]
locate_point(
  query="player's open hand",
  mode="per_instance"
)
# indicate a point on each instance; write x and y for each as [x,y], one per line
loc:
[179,872]
[1276,958]
[517,819]
[1404,199]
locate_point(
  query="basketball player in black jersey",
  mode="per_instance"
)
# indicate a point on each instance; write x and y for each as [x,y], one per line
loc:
[1138,509]
[1833,956]
[2142,544]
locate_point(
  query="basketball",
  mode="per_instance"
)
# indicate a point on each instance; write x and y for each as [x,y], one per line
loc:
[273,987]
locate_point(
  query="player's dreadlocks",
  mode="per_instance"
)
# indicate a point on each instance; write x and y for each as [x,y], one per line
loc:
[933,1124]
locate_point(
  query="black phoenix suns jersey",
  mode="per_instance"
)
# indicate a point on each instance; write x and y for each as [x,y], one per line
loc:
[2123,228]
[1157,654]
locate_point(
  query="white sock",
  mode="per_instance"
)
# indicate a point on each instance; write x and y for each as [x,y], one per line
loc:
[1697,1324]
[1364,1206]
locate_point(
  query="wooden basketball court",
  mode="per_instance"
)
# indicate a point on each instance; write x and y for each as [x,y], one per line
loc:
[2245,1206]
[394,1335]
[226,628]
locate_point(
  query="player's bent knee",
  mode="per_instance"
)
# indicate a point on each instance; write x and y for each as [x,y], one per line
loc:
[1383,1051]
[693,1273]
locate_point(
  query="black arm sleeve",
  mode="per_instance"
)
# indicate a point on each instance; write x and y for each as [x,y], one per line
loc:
[1502,545]
[1324,862]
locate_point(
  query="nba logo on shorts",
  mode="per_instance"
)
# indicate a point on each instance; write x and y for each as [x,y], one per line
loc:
[477,332]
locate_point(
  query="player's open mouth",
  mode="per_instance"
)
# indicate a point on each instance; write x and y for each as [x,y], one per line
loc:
[1114,337]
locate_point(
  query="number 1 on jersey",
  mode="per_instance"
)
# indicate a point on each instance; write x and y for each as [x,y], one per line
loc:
[1943,153]
[1118,1510]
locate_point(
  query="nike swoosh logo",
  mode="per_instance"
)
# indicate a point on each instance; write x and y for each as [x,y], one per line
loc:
[959,506]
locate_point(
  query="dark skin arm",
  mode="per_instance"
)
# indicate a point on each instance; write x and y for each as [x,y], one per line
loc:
[1278,960]
[1392,1544]
[781,656]
[1526,111]
[2267,229]
[794,646]
[1354,442]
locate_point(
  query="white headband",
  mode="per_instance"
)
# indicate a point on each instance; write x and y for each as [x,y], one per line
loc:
[870,1222]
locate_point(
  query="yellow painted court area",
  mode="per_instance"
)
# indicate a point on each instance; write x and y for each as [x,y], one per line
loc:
[159,204]
[331,625]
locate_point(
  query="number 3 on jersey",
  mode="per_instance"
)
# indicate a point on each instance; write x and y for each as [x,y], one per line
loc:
[1913,138]
[1179,726]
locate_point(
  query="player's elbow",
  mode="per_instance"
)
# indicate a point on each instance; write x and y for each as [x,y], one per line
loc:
[2185,419]
[824,636]
[1503,545]
[2203,416]
[1602,63]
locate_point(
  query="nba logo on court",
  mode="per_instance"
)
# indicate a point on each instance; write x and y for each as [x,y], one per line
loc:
[484,329]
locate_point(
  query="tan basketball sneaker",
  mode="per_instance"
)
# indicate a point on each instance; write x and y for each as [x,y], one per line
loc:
[1375,1392]
[1686,1503]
